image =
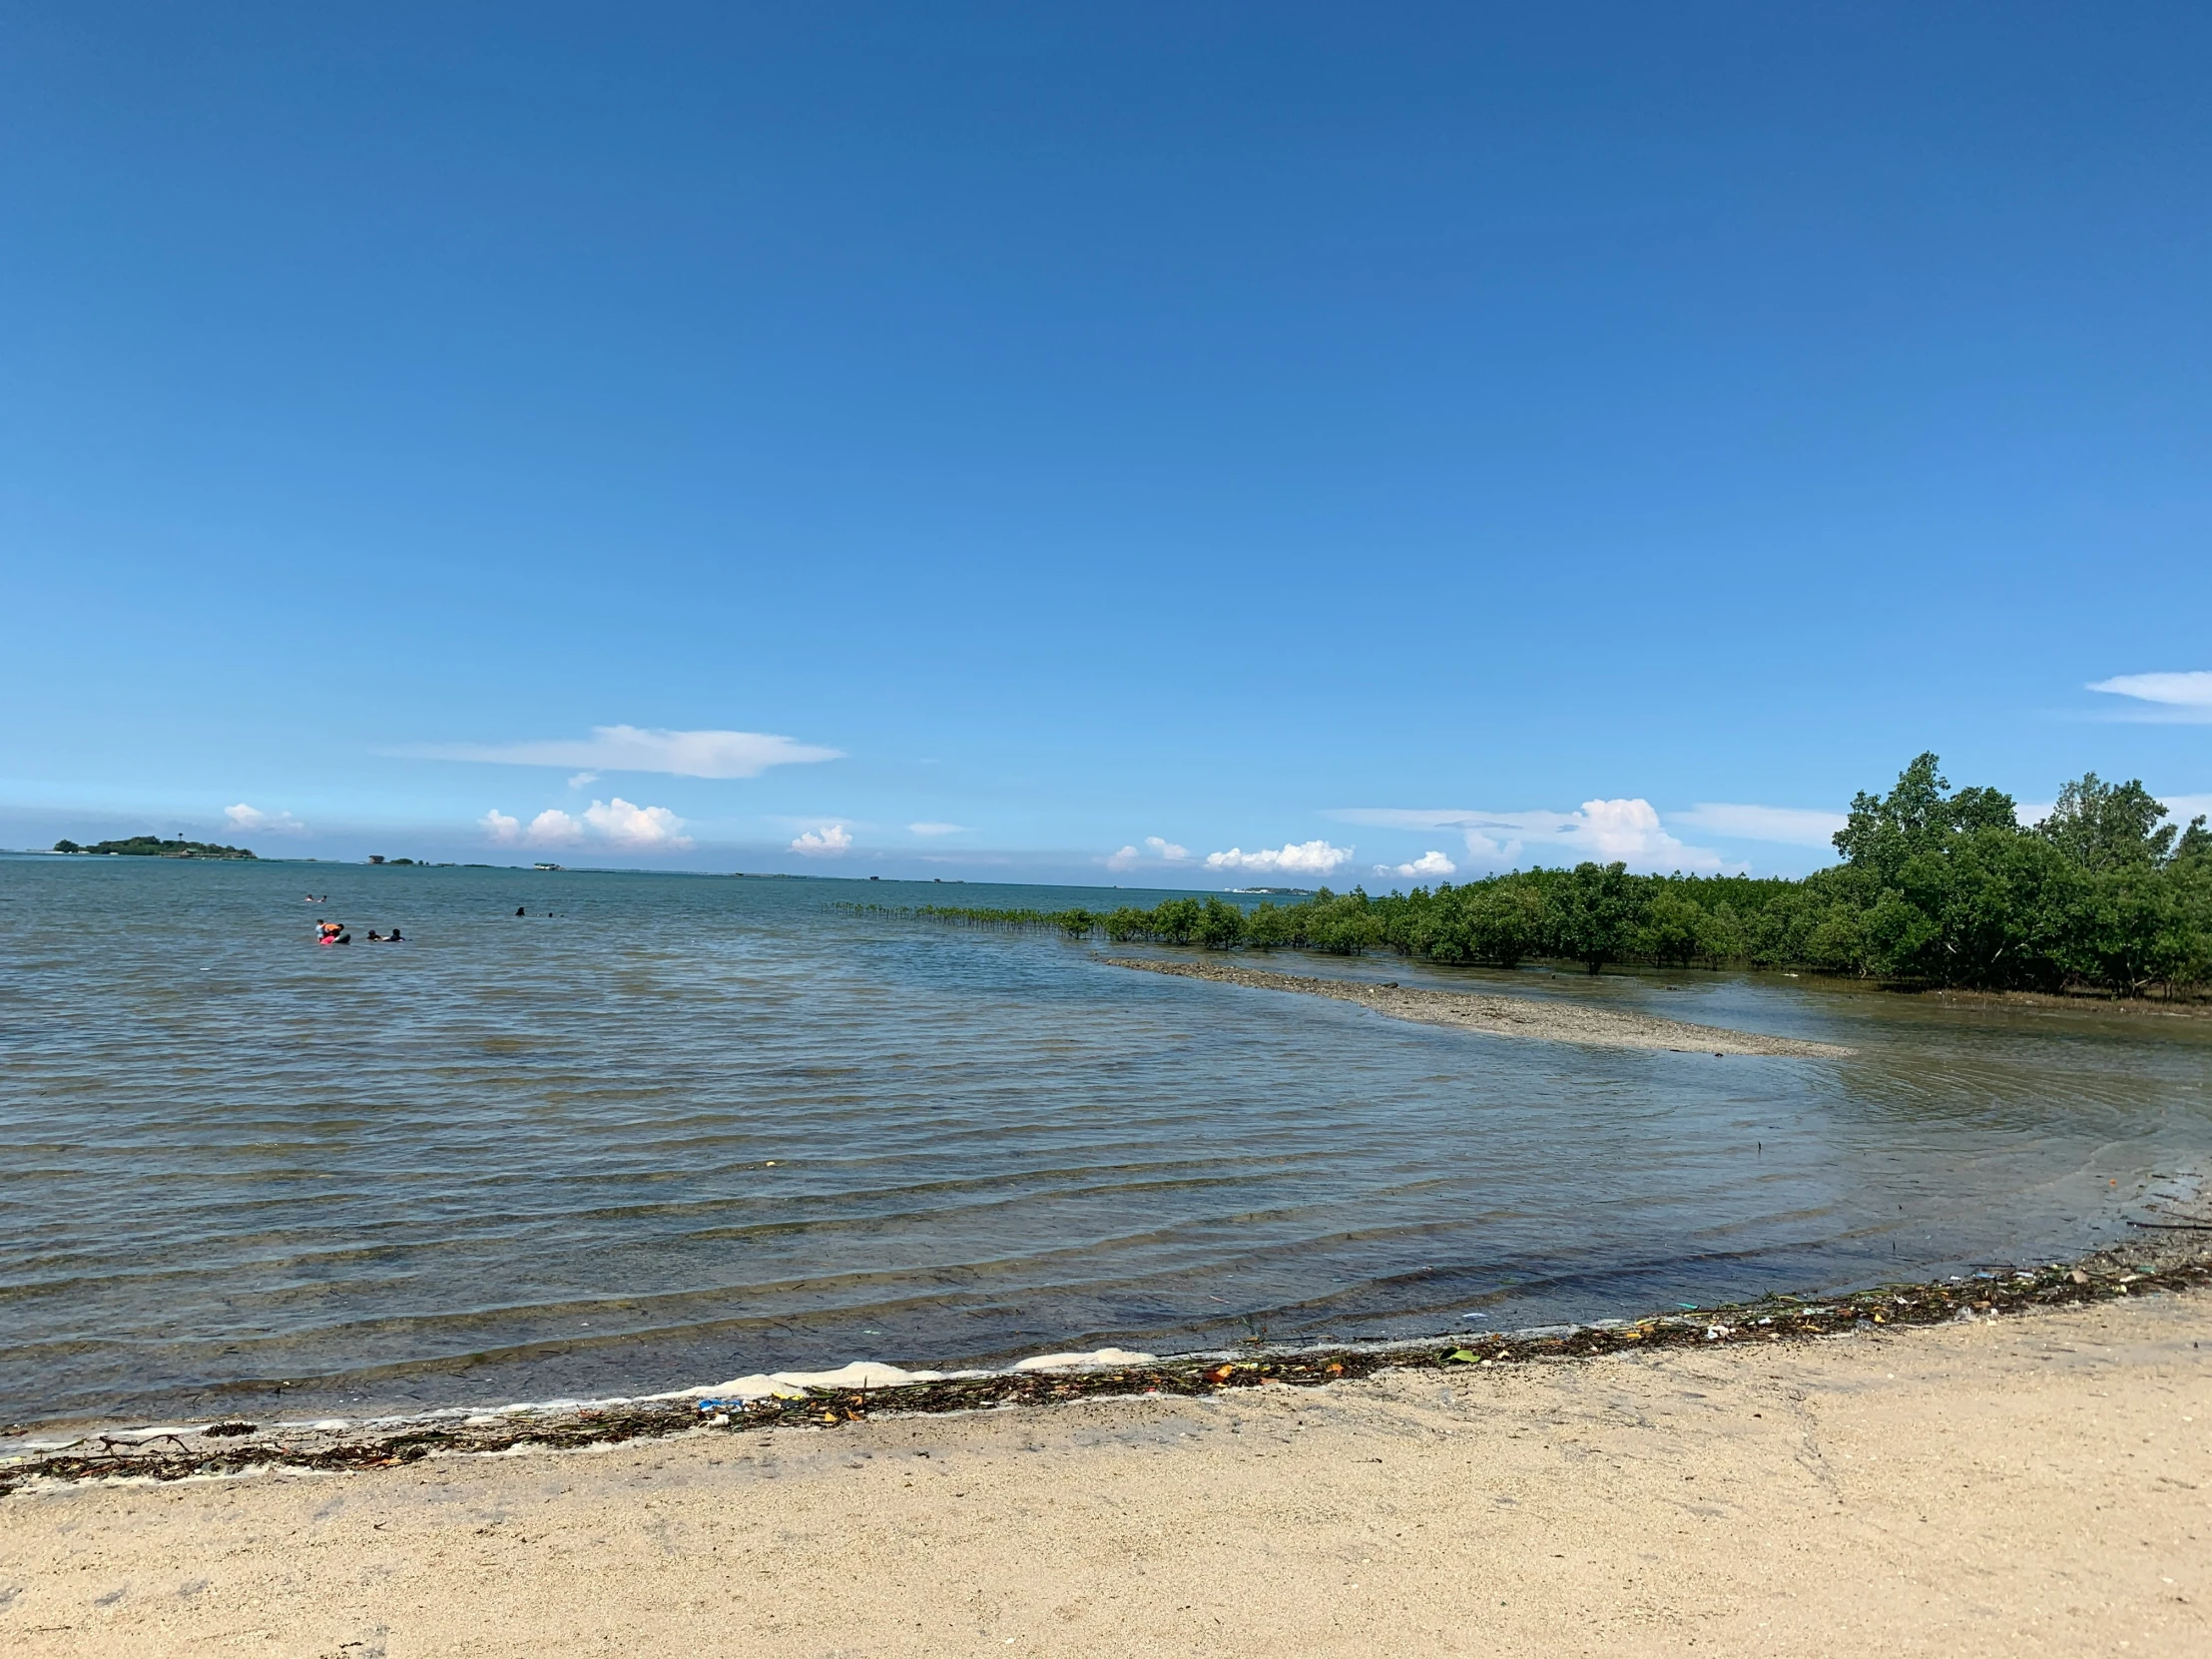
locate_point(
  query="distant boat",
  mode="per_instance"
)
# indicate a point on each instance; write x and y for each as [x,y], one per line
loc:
[545,866]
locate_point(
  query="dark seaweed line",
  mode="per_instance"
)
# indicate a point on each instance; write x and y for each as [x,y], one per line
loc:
[2104,1276]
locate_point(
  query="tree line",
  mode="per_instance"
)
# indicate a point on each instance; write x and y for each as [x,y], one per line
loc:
[152,846]
[1935,888]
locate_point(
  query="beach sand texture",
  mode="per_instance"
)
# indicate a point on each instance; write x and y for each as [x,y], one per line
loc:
[1555,1019]
[2038,1484]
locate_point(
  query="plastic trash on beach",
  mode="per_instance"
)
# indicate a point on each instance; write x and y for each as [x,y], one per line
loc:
[792,1385]
[1099,1359]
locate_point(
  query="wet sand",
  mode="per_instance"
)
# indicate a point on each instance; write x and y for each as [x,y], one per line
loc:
[2040,1484]
[1555,1019]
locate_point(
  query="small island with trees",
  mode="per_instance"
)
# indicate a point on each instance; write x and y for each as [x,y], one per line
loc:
[152,846]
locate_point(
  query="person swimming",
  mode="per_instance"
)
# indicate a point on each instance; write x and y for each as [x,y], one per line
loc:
[375,938]
[520,911]
[393,937]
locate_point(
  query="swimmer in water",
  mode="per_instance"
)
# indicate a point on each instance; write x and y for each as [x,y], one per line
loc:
[520,911]
[393,937]
[375,938]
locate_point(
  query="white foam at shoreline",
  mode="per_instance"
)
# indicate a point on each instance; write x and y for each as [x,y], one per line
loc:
[782,1385]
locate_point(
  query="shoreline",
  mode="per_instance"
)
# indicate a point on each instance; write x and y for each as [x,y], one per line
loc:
[1995,1486]
[2178,1260]
[1543,1018]
[2068,1003]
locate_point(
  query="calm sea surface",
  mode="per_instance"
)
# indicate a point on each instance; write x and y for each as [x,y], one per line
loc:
[666,1130]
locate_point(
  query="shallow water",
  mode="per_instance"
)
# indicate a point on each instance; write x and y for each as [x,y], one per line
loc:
[689,1127]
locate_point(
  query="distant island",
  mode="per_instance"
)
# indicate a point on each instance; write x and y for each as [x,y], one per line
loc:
[152,846]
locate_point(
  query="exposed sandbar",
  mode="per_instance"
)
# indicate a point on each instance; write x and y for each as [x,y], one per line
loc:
[1555,1019]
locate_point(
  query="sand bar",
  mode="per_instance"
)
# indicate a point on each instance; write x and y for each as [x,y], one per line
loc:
[2040,1483]
[1555,1019]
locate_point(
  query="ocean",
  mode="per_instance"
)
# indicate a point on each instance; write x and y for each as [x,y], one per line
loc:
[666,1129]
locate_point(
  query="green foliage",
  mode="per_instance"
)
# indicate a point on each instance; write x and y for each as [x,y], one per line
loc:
[152,846]
[1594,912]
[1176,920]
[1220,925]
[2100,825]
[1936,887]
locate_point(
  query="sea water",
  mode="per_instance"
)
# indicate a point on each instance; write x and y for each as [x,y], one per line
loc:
[665,1129]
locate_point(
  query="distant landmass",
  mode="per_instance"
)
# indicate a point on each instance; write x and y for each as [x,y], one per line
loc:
[152,846]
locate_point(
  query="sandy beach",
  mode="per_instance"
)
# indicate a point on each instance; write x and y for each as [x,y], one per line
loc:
[2040,1484]
[1555,1019]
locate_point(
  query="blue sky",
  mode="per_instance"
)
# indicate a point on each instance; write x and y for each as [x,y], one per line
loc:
[1084,442]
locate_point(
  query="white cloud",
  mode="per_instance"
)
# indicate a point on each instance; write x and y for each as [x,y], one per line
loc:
[938,829]
[1628,831]
[2191,690]
[1429,863]
[1785,826]
[2183,697]
[639,748]
[553,827]
[1314,857]
[616,822]
[1158,849]
[828,841]
[583,779]
[242,817]
[1617,828]
[640,828]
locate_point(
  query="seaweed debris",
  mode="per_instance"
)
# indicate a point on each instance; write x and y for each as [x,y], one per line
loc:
[165,1454]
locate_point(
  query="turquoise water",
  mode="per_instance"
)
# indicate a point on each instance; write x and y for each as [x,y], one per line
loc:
[683,1128]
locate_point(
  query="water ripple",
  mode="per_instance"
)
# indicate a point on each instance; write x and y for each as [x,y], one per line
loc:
[689,1127]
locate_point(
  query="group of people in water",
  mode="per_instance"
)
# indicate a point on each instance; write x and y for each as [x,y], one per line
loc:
[334,932]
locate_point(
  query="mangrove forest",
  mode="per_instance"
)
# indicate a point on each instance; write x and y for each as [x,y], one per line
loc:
[1935,888]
